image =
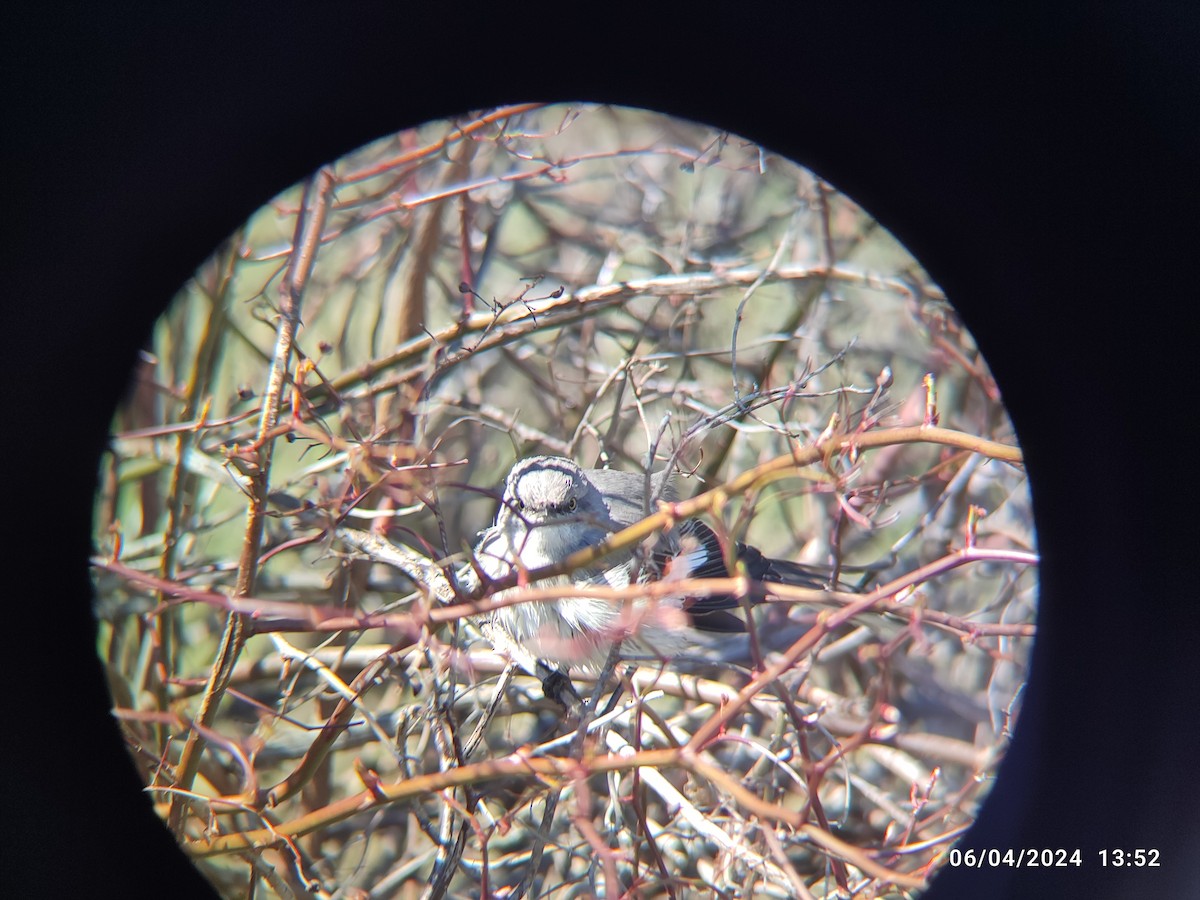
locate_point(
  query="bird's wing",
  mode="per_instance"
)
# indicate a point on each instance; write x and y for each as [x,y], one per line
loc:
[699,554]
[626,496]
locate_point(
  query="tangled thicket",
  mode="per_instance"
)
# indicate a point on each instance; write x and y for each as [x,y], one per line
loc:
[316,434]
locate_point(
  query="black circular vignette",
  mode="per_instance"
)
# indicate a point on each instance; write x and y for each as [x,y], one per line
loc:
[1034,165]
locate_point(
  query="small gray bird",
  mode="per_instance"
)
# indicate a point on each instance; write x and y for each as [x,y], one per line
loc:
[552,508]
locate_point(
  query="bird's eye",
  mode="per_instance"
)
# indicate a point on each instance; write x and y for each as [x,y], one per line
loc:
[520,504]
[571,504]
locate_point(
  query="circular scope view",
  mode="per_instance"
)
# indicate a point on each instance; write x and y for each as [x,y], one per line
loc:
[564,501]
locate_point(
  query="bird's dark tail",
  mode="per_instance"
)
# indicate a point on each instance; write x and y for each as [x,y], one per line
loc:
[782,571]
[705,559]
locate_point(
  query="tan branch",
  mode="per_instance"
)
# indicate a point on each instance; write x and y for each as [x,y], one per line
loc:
[520,319]
[308,232]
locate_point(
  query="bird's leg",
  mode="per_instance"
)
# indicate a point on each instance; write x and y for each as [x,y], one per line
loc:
[557,686]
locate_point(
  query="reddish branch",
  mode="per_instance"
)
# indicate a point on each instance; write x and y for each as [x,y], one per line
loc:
[555,768]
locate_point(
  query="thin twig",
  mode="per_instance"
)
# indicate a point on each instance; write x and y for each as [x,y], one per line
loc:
[529,883]
[308,231]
